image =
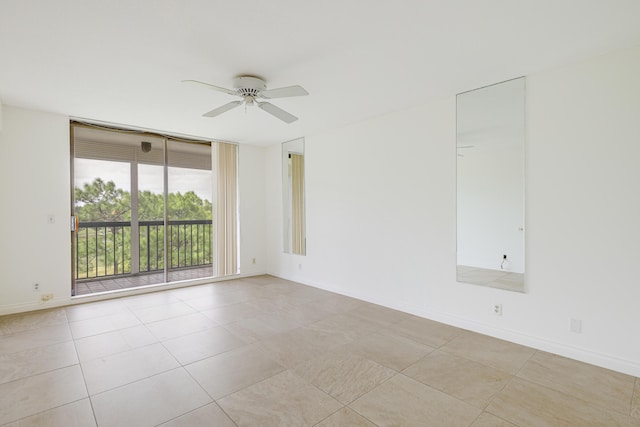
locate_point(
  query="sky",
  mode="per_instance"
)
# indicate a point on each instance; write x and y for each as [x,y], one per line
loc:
[149,177]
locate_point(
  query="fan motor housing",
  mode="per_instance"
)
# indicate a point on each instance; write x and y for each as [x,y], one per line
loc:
[249,86]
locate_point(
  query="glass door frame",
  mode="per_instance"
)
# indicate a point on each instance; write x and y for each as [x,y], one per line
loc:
[134,243]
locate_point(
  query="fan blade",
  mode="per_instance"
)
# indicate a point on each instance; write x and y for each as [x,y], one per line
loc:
[218,88]
[277,112]
[226,107]
[284,92]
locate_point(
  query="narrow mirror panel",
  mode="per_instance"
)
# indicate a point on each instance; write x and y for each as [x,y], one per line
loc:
[293,197]
[490,185]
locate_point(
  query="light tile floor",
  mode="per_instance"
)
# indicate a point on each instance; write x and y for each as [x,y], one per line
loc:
[500,279]
[267,352]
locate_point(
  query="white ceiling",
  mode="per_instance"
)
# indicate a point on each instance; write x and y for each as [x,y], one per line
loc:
[122,61]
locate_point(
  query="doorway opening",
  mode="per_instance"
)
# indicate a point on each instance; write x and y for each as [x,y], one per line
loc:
[143,207]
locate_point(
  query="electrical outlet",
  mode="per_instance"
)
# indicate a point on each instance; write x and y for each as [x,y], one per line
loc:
[253,261]
[576,326]
[36,287]
[47,297]
[299,266]
[497,309]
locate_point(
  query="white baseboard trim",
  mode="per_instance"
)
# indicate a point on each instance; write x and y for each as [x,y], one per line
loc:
[607,361]
[33,306]
[81,299]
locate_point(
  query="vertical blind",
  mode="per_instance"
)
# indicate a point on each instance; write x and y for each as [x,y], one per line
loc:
[226,159]
[297,205]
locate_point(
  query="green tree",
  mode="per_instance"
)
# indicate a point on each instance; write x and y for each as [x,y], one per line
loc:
[188,206]
[101,201]
[150,206]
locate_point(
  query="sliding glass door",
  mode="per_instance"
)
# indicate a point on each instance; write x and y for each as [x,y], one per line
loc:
[189,211]
[143,204]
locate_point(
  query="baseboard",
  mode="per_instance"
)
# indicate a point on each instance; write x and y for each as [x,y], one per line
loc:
[101,296]
[34,306]
[607,361]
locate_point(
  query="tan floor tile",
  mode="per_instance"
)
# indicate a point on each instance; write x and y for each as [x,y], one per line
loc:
[389,350]
[76,414]
[351,327]
[382,315]
[342,375]
[402,401]
[299,345]
[200,345]
[607,389]
[337,304]
[272,282]
[32,320]
[284,301]
[91,310]
[109,343]
[229,372]
[308,313]
[233,312]
[29,396]
[331,343]
[269,304]
[36,361]
[527,404]
[257,328]
[179,326]
[162,312]
[209,415]
[100,325]
[503,355]
[635,403]
[34,338]
[424,331]
[149,402]
[488,420]
[216,300]
[308,293]
[123,368]
[461,378]
[345,417]
[149,300]
[282,400]
[194,292]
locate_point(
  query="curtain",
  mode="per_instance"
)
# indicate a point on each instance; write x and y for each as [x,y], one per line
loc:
[226,212]
[298,236]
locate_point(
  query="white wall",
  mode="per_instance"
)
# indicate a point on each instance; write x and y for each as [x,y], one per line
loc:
[381,215]
[35,183]
[253,224]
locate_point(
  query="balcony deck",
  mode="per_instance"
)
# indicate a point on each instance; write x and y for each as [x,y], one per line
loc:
[110,283]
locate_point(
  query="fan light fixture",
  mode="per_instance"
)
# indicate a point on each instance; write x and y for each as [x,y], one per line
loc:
[251,88]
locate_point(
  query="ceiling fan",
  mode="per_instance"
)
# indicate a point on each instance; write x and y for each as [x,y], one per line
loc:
[251,88]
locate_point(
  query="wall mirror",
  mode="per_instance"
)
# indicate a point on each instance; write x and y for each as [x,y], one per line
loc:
[295,240]
[490,135]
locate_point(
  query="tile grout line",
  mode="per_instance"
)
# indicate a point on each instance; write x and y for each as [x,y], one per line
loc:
[553,388]
[84,379]
[513,376]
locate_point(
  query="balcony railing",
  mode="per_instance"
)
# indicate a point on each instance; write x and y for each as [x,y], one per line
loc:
[107,249]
